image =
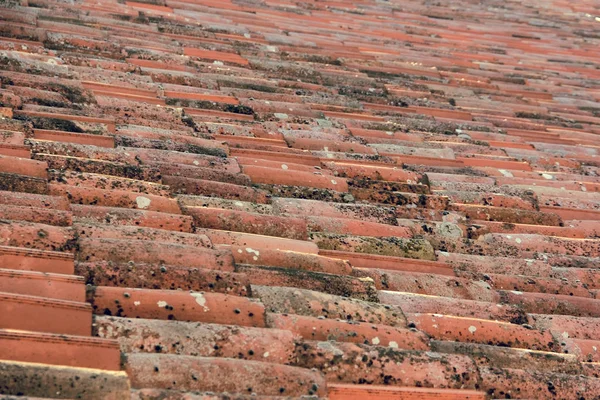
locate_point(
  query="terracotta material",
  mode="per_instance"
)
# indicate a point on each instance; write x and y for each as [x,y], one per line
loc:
[72,351]
[39,215]
[346,331]
[354,227]
[142,218]
[158,253]
[52,286]
[41,314]
[23,166]
[44,381]
[352,363]
[19,258]
[391,263]
[252,241]
[115,198]
[81,138]
[368,392]
[294,178]
[290,259]
[239,221]
[404,209]
[340,285]
[182,185]
[462,329]
[155,276]
[221,375]
[215,55]
[197,339]
[177,305]
[415,303]
[316,304]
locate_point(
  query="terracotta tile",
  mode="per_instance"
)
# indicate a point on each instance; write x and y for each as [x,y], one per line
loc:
[152,276]
[390,263]
[486,355]
[304,159]
[240,221]
[215,55]
[451,158]
[73,351]
[533,383]
[177,305]
[197,339]
[207,174]
[48,285]
[367,392]
[120,232]
[124,216]
[290,259]
[147,251]
[328,283]
[23,166]
[552,304]
[379,365]
[44,380]
[566,326]
[396,247]
[261,242]
[225,190]
[63,162]
[284,176]
[507,215]
[36,236]
[221,375]
[432,304]
[115,198]
[462,329]
[343,331]
[36,260]
[312,303]
[32,313]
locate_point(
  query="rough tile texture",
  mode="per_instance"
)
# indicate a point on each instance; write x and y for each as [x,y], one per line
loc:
[229,199]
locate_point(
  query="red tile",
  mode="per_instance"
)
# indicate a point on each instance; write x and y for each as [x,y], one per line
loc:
[368,392]
[222,375]
[32,313]
[215,55]
[184,306]
[342,331]
[49,285]
[74,351]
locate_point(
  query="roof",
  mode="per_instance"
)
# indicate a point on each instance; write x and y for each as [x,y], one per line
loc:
[274,199]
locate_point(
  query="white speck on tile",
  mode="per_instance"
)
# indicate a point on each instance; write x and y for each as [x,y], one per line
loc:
[250,250]
[266,354]
[142,202]
[200,299]
[547,176]
[518,240]
[472,329]
[162,303]
[393,345]
[375,341]
[334,181]
[137,303]
[284,167]
[506,173]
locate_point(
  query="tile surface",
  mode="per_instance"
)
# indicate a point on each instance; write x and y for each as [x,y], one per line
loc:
[299,199]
